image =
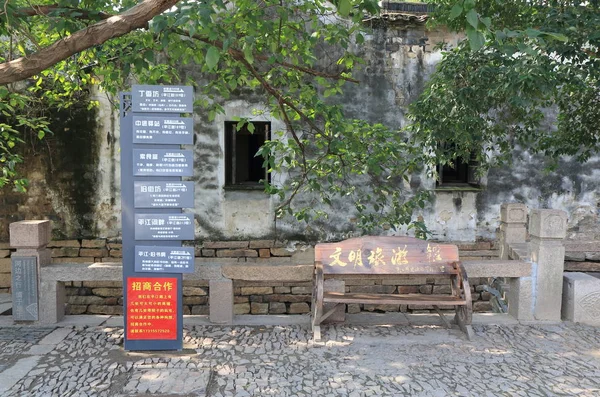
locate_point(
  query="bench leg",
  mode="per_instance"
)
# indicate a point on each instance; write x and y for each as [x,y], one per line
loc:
[463,318]
[316,333]
[317,302]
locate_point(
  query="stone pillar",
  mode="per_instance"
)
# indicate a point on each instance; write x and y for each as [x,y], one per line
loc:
[220,301]
[547,229]
[30,238]
[513,226]
[520,298]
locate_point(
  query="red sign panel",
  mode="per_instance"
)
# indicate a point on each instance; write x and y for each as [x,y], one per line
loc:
[152,308]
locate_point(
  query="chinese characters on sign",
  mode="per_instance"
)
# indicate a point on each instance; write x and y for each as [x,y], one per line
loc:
[152,165]
[164,259]
[162,162]
[162,99]
[164,227]
[152,308]
[163,130]
[380,257]
[24,288]
[150,194]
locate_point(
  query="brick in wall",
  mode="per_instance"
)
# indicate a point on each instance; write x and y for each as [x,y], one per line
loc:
[95,243]
[226,244]
[64,243]
[229,253]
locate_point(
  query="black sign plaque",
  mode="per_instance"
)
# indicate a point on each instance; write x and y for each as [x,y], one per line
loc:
[151,194]
[163,130]
[162,162]
[156,259]
[24,288]
[162,99]
[164,227]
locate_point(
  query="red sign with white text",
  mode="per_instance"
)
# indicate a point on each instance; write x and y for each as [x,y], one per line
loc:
[151,308]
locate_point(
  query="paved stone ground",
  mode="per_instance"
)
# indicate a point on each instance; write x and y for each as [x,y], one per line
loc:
[425,360]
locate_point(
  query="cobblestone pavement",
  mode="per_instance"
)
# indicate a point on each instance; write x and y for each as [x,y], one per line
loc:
[507,360]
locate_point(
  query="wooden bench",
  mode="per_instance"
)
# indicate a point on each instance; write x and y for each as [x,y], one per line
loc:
[391,257]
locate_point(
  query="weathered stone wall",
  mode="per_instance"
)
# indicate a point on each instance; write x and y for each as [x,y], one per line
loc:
[106,297]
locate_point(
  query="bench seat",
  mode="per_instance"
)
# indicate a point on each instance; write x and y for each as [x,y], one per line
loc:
[393,299]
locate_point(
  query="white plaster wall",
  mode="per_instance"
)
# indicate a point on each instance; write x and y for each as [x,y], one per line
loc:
[454,216]
[229,213]
[108,198]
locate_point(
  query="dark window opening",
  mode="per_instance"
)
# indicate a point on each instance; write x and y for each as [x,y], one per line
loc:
[461,172]
[242,167]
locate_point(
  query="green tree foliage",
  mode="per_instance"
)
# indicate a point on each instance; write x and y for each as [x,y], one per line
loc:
[296,52]
[528,75]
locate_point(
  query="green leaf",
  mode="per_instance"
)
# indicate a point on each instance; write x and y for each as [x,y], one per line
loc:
[344,7]
[455,11]
[212,57]
[476,39]
[472,18]
[248,53]
[557,36]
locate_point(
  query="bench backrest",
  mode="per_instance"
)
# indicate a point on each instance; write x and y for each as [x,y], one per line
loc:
[386,255]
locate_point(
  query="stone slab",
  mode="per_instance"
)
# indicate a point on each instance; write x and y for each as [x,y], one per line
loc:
[581,298]
[221,301]
[587,246]
[55,337]
[497,268]
[579,266]
[10,376]
[268,273]
[226,244]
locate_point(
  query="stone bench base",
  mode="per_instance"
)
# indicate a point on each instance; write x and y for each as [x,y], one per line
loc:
[221,275]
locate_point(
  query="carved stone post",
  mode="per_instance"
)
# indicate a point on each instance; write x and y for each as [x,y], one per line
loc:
[513,226]
[547,229]
[30,238]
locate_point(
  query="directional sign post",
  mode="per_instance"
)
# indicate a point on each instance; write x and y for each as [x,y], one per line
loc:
[152,198]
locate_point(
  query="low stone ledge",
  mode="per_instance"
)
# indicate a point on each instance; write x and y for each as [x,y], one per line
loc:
[588,246]
[519,251]
[497,268]
[268,273]
[106,271]
[582,266]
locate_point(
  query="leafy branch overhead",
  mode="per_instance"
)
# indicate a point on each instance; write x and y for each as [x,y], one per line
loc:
[528,76]
[296,53]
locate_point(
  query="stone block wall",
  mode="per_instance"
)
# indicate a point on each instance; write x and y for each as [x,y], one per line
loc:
[5,267]
[103,297]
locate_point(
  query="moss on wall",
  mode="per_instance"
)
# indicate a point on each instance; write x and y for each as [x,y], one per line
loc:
[62,170]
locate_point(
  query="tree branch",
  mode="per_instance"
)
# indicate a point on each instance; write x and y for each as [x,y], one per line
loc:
[238,53]
[47,9]
[116,26]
